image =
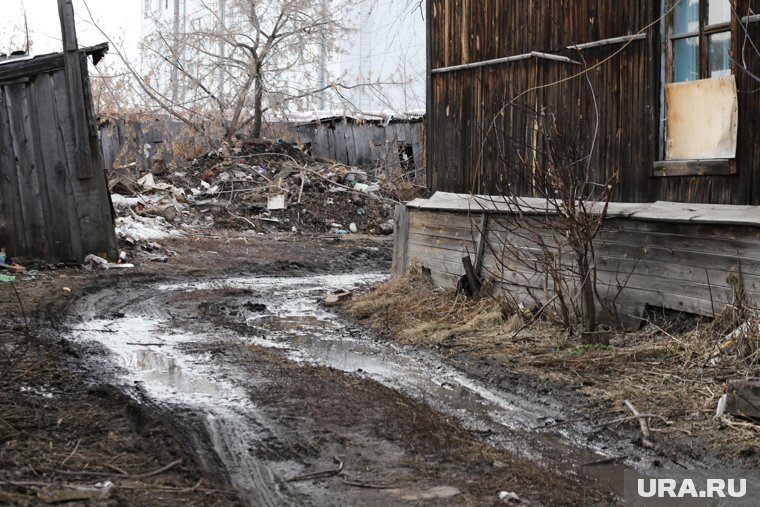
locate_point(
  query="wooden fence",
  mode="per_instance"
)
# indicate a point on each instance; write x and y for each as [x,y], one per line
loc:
[396,146]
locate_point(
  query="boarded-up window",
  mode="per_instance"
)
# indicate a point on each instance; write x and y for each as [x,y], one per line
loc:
[702,119]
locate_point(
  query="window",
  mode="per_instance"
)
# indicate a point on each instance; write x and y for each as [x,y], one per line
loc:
[700,39]
[699,97]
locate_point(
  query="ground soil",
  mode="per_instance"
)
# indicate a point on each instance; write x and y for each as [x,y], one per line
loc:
[63,424]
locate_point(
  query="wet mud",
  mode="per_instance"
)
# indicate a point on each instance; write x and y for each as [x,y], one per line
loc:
[298,404]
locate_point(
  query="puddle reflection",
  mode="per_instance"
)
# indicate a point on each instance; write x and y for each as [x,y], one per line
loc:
[162,368]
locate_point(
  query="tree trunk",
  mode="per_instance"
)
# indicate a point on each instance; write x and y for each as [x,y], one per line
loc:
[588,307]
[258,96]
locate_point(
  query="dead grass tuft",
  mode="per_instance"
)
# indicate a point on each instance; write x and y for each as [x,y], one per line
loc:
[415,312]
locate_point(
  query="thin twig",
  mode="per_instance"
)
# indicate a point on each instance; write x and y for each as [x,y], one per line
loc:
[241,218]
[121,475]
[76,447]
[643,424]
[634,417]
[320,475]
[367,485]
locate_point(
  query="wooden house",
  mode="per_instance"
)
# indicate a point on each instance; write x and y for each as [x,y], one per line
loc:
[660,98]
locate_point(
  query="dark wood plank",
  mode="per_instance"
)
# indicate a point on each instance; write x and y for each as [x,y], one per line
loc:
[59,214]
[28,192]
[75,87]
[674,168]
[66,175]
[400,240]
[12,237]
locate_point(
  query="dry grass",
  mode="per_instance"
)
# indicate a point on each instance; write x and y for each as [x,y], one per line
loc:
[413,311]
[677,375]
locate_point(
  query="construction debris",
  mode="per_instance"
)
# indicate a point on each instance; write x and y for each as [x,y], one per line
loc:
[261,187]
[337,297]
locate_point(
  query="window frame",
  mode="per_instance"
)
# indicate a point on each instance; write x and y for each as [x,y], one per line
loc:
[708,167]
[703,32]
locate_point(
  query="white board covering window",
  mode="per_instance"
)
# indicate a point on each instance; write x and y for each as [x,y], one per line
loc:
[702,119]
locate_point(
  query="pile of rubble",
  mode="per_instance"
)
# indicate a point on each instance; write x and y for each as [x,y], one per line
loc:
[260,187]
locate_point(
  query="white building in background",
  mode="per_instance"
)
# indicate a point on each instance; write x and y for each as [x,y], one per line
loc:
[387,50]
[381,65]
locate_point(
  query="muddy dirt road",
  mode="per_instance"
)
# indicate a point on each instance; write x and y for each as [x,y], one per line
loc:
[271,399]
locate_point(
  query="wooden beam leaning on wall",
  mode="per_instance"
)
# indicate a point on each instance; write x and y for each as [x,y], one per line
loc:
[75,88]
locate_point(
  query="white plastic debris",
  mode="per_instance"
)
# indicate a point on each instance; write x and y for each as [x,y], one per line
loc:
[94,261]
[721,406]
[277,202]
[508,496]
[122,201]
[352,227]
[144,228]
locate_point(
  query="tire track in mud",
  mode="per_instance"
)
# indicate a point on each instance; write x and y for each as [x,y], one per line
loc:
[230,436]
[218,435]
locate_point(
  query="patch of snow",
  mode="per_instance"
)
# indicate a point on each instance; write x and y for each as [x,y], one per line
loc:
[144,228]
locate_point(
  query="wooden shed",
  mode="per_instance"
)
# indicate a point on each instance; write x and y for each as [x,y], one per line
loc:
[660,97]
[54,201]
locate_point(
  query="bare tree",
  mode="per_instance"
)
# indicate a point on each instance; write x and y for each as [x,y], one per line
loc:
[14,36]
[544,246]
[231,61]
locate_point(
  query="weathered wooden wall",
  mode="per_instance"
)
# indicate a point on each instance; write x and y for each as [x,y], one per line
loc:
[125,140]
[361,144]
[663,255]
[49,205]
[479,126]
[139,139]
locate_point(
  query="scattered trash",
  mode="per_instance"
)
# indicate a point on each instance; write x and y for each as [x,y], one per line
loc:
[342,232]
[162,259]
[259,186]
[75,493]
[2,256]
[122,257]
[386,228]
[276,202]
[352,227]
[94,261]
[13,268]
[508,496]
[66,290]
[721,406]
[114,265]
[338,297]
[437,492]
[7,278]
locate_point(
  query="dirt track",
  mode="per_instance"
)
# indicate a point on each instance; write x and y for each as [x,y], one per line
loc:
[272,421]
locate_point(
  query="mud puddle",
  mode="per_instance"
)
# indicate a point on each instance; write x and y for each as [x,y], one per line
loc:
[284,313]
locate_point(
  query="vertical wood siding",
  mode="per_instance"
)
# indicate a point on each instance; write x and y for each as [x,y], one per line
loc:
[46,209]
[480,121]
